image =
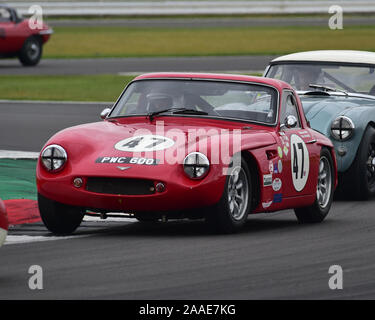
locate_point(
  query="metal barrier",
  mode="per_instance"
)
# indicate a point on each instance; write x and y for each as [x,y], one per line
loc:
[169,8]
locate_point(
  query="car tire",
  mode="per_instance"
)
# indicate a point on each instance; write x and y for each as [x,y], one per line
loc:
[359,181]
[230,213]
[31,51]
[60,219]
[324,193]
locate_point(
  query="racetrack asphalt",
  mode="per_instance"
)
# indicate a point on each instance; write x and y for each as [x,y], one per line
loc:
[27,126]
[244,64]
[273,257]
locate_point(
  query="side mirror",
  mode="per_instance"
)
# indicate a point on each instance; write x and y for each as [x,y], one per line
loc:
[105,113]
[290,121]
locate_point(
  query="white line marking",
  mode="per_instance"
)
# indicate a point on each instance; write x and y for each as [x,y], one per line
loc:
[11,239]
[109,219]
[10,154]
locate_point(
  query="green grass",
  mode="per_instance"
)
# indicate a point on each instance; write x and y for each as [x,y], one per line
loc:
[104,88]
[64,88]
[108,41]
[17,179]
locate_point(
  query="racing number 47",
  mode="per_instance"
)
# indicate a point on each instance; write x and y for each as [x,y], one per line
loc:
[295,159]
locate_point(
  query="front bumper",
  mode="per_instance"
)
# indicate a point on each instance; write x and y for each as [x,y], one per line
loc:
[180,193]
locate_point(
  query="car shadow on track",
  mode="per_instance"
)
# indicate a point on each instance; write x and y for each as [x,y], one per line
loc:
[198,228]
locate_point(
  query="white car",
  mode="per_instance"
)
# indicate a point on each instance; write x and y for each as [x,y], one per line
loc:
[337,90]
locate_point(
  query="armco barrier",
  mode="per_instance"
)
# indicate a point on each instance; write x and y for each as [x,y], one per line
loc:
[161,8]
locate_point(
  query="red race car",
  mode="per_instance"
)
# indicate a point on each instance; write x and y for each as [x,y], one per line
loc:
[175,145]
[17,39]
[3,223]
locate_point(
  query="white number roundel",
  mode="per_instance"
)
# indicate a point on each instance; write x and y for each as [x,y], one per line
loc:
[144,143]
[300,162]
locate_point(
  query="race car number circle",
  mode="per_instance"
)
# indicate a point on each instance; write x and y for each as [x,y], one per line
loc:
[300,162]
[144,143]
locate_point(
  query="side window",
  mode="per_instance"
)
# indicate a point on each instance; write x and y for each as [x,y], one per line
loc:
[4,15]
[289,108]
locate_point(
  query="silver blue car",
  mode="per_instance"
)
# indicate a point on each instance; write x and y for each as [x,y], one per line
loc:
[337,90]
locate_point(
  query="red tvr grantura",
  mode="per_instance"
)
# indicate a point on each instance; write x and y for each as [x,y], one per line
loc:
[177,145]
[18,39]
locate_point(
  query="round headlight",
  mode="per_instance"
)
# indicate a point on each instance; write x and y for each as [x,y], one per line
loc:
[54,157]
[196,165]
[342,128]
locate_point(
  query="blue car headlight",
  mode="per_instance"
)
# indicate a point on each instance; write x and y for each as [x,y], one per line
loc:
[342,128]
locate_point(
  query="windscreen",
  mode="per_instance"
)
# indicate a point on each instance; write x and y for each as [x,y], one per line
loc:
[357,79]
[221,99]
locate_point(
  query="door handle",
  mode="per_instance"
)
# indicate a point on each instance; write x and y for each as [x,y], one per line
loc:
[311,141]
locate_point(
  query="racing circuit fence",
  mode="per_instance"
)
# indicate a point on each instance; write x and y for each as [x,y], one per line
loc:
[170,8]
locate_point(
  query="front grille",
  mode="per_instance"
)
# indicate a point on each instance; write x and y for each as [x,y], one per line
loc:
[123,186]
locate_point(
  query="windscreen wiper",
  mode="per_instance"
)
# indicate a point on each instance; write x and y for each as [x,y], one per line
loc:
[152,115]
[190,111]
[326,88]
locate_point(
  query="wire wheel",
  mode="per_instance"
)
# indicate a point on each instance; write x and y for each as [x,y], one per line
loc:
[371,165]
[324,189]
[238,193]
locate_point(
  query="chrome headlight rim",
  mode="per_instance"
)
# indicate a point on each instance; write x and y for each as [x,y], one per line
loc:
[339,135]
[63,156]
[201,162]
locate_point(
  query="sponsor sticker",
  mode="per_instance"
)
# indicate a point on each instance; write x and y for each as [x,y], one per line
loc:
[271,167]
[284,139]
[267,180]
[280,166]
[276,184]
[280,151]
[266,205]
[275,168]
[128,160]
[277,197]
[286,150]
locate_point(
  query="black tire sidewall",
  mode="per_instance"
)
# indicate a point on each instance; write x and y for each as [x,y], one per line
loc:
[360,172]
[59,218]
[23,55]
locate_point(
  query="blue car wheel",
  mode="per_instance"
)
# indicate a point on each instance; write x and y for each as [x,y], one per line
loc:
[359,180]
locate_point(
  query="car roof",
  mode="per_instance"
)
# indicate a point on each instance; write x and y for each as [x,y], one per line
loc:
[278,84]
[338,56]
